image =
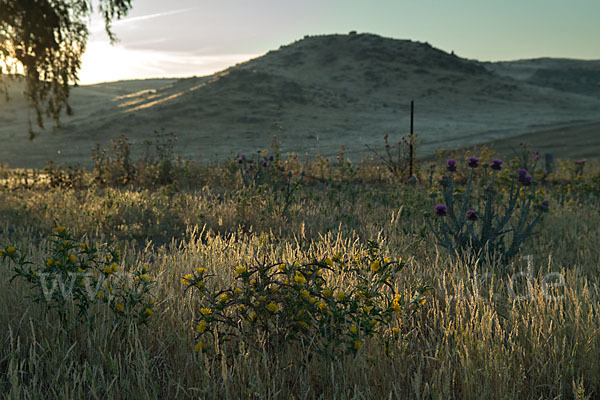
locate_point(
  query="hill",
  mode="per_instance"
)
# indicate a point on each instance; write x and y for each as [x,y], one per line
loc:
[315,95]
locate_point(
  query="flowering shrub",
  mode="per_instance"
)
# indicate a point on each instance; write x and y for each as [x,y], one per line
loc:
[78,275]
[493,219]
[284,303]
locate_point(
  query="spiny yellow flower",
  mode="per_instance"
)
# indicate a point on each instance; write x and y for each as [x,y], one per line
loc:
[299,278]
[262,298]
[252,316]
[187,279]
[148,311]
[145,268]
[304,293]
[386,260]
[366,309]
[205,311]
[353,329]
[242,307]
[252,282]
[59,229]
[49,262]
[329,262]
[357,345]
[199,346]
[240,270]
[10,250]
[145,277]
[312,300]
[201,327]
[322,305]
[395,330]
[108,270]
[319,272]
[120,307]
[273,307]
[80,269]
[99,294]
[238,291]
[84,246]
[72,258]
[34,273]
[340,295]
[281,267]
[326,292]
[151,302]
[114,267]
[223,297]
[422,301]
[375,265]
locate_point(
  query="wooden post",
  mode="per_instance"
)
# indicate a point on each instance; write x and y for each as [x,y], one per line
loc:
[411,140]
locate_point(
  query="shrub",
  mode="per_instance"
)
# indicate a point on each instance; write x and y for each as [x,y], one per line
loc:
[492,220]
[328,305]
[77,275]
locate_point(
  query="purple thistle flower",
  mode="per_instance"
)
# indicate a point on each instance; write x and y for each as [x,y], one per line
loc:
[271,157]
[526,180]
[473,162]
[580,162]
[441,210]
[264,164]
[522,172]
[451,165]
[242,156]
[240,160]
[472,215]
[497,164]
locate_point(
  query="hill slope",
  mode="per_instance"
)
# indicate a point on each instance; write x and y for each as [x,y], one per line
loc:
[322,91]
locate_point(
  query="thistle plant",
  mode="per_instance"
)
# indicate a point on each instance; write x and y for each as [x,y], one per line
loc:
[287,303]
[77,275]
[491,220]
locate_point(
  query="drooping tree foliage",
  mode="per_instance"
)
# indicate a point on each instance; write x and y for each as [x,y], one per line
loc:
[44,40]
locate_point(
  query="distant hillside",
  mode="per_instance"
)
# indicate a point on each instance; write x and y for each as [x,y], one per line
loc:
[573,76]
[316,94]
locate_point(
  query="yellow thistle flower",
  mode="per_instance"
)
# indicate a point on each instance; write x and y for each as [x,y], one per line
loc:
[201,327]
[322,305]
[72,258]
[59,229]
[148,311]
[329,262]
[375,265]
[395,330]
[238,291]
[108,270]
[79,269]
[319,272]
[240,270]
[187,279]
[326,292]
[357,345]
[304,293]
[281,267]
[145,277]
[199,346]
[120,307]
[366,309]
[114,267]
[353,329]
[340,295]
[312,300]
[10,250]
[205,311]
[49,262]
[253,282]
[299,278]
[99,294]
[242,307]
[84,246]
[223,297]
[273,307]
[262,298]
[253,316]
[422,301]
[386,260]
[145,268]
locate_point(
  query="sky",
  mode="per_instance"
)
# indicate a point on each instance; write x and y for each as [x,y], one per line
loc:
[180,38]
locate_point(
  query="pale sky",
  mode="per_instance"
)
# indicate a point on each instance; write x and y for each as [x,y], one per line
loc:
[179,38]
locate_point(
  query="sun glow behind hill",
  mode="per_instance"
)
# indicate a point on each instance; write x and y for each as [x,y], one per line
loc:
[103,62]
